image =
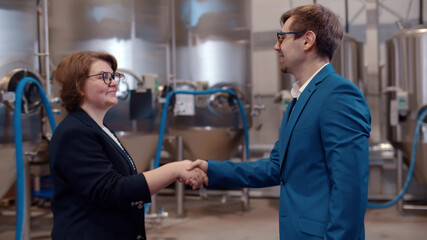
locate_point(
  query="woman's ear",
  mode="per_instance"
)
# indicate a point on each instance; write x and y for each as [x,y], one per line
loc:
[79,89]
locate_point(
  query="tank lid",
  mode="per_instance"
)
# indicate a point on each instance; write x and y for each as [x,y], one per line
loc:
[413,30]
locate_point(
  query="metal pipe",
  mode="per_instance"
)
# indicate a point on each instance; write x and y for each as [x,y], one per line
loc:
[399,176]
[130,72]
[47,55]
[179,186]
[407,13]
[153,203]
[421,12]
[347,28]
[168,54]
[173,43]
[39,34]
[245,191]
[27,207]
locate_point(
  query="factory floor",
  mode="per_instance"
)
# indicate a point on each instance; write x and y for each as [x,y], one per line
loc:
[220,218]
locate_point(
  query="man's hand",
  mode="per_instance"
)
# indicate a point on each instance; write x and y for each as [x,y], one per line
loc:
[193,176]
[202,164]
[199,164]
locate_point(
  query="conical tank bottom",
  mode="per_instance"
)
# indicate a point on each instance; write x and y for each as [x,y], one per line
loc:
[141,147]
[420,172]
[218,143]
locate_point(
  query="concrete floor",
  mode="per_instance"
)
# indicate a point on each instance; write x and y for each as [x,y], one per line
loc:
[211,219]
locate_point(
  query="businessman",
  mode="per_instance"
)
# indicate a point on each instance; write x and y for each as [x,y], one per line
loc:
[321,159]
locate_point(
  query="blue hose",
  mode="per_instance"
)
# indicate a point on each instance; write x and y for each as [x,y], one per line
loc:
[20,171]
[411,166]
[165,112]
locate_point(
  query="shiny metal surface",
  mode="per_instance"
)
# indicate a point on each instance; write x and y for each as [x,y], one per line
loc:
[18,30]
[213,44]
[407,68]
[31,101]
[18,43]
[348,61]
[18,50]
[218,143]
[214,132]
[141,146]
[134,31]
[7,167]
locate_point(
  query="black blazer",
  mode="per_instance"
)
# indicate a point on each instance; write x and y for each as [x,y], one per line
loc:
[97,192]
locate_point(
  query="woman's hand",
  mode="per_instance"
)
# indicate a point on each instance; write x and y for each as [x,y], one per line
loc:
[193,175]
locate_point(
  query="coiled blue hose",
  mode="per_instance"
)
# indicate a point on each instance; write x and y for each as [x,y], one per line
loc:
[20,171]
[411,166]
[210,91]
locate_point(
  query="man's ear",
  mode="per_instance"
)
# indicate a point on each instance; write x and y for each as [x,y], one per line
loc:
[309,40]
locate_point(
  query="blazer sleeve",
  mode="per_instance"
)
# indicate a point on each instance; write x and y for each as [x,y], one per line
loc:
[261,173]
[345,126]
[81,161]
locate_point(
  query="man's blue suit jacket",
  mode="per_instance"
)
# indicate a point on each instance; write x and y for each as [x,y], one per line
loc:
[320,161]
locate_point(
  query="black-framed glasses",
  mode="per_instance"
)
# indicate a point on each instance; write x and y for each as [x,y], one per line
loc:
[108,77]
[280,37]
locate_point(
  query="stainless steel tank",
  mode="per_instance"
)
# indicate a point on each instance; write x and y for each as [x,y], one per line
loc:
[213,44]
[348,61]
[18,44]
[136,32]
[407,93]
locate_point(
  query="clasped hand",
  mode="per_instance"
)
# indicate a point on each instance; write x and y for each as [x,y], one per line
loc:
[195,173]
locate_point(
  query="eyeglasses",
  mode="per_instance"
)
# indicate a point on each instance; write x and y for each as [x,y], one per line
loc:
[280,37]
[108,77]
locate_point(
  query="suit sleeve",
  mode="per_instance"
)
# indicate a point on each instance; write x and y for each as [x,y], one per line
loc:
[81,162]
[345,127]
[261,173]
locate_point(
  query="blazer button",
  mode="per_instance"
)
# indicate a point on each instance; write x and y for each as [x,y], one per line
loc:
[139,237]
[283,182]
[132,204]
[140,206]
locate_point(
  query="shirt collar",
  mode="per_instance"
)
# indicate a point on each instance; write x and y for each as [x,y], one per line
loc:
[297,90]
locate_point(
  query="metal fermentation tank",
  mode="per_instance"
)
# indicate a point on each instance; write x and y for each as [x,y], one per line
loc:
[348,61]
[213,44]
[210,42]
[17,51]
[134,31]
[407,66]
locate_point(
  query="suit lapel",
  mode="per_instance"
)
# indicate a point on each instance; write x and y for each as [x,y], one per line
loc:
[86,119]
[288,111]
[298,108]
[123,152]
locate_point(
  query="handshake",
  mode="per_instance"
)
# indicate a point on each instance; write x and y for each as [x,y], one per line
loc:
[193,173]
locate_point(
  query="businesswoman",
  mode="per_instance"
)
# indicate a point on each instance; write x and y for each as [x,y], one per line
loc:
[97,192]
